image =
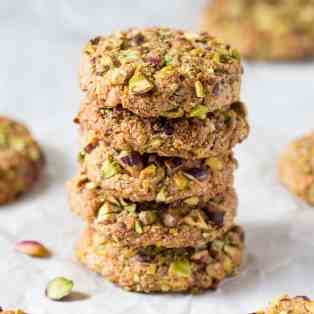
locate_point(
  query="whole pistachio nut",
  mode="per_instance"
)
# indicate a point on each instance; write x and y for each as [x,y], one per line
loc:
[32,248]
[59,288]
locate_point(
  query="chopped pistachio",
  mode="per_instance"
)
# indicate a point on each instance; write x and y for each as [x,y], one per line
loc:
[110,168]
[236,54]
[181,182]
[155,143]
[59,288]
[148,217]
[32,248]
[161,196]
[217,245]
[168,59]
[199,111]
[199,89]
[192,201]
[119,75]
[165,72]
[181,268]
[139,84]
[228,265]
[234,253]
[131,208]
[214,163]
[148,172]
[138,227]
[196,219]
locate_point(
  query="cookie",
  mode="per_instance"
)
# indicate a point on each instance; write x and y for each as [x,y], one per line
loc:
[157,269]
[20,160]
[190,222]
[265,29]
[157,72]
[11,311]
[296,168]
[192,138]
[152,178]
[286,305]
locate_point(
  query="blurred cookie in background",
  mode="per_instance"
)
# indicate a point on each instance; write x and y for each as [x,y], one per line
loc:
[286,305]
[296,168]
[264,29]
[21,160]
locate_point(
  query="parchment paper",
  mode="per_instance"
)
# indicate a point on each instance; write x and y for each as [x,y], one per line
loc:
[40,42]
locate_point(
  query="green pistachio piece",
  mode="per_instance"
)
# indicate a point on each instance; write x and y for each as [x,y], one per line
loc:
[236,54]
[155,143]
[118,76]
[59,288]
[196,219]
[192,201]
[168,59]
[228,265]
[148,217]
[214,163]
[138,227]
[107,208]
[181,182]
[110,168]
[161,196]
[139,85]
[148,172]
[165,72]
[131,208]
[199,111]
[181,268]
[199,89]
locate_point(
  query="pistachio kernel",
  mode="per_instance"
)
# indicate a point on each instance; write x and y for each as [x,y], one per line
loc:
[32,248]
[199,89]
[148,217]
[181,181]
[192,201]
[161,196]
[214,163]
[131,208]
[196,219]
[199,111]
[181,268]
[59,288]
[138,227]
[228,265]
[139,85]
[110,168]
[148,172]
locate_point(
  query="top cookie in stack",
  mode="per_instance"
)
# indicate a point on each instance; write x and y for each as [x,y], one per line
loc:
[161,116]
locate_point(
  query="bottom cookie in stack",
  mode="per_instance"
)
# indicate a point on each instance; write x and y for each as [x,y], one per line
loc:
[157,269]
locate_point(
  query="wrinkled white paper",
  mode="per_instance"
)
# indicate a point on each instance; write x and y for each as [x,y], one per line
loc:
[40,42]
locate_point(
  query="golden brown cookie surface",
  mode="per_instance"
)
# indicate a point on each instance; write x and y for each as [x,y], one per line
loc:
[20,160]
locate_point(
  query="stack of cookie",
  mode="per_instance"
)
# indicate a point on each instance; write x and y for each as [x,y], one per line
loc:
[158,125]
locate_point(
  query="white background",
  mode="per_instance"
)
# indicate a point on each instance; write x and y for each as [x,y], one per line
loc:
[40,43]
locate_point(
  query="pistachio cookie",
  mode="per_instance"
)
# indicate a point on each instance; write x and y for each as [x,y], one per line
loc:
[11,311]
[157,269]
[20,160]
[287,305]
[264,29]
[215,134]
[161,72]
[190,222]
[152,178]
[296,168]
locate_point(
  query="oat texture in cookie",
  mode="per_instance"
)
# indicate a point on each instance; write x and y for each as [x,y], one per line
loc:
[296,168]
[149,177]
[264,29]
[190,222]
[288,305]
[157,269]
[192,138]
[161,72]
[20,160]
